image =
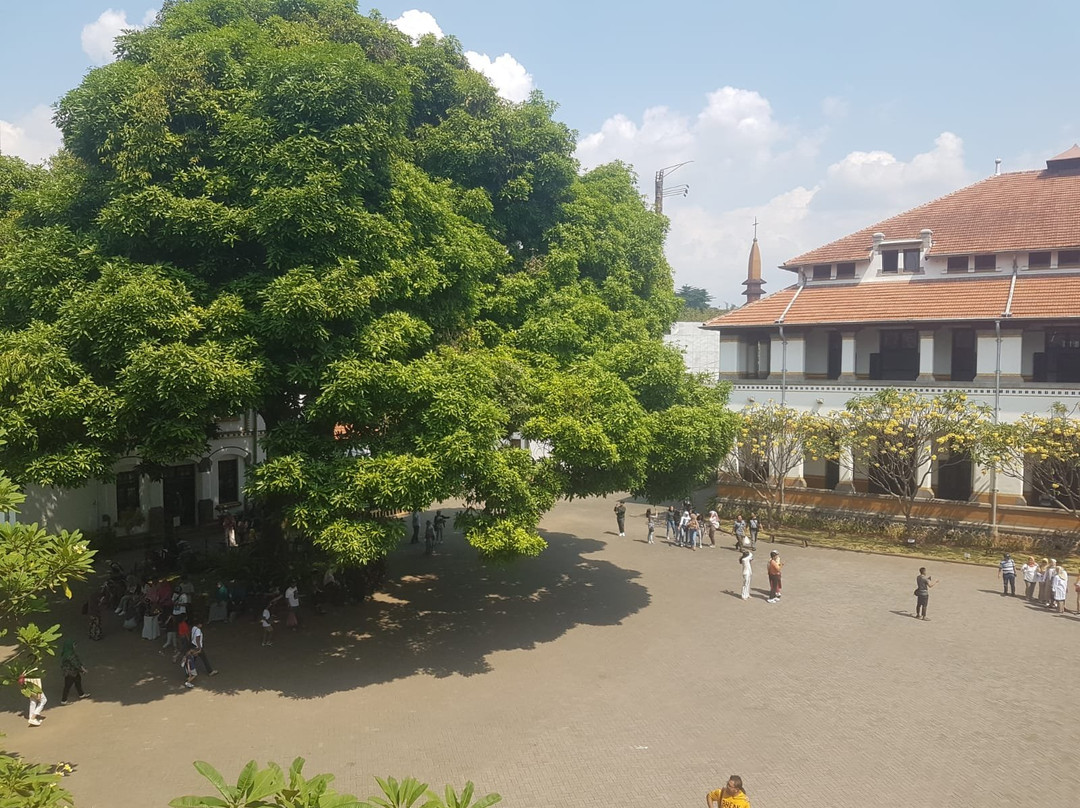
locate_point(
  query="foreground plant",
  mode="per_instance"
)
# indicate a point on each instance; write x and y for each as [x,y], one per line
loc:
[272,788]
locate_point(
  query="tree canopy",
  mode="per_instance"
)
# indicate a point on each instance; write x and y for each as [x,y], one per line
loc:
[287,206]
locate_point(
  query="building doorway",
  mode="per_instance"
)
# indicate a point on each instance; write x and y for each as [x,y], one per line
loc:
[178,493]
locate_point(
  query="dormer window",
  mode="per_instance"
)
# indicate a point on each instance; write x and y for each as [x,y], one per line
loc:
[822,272]
[985,263]
[1039,260]
[957,263]
[890,260]
[1068,258]
[845,271]
[912,259]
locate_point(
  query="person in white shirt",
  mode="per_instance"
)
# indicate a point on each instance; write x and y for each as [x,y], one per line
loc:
[1030,571]
[267,626]
[747,572]
[199,649]
[1061,589]
[293,599]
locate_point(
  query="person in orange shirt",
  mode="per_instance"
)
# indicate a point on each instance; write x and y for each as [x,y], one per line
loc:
[730,796]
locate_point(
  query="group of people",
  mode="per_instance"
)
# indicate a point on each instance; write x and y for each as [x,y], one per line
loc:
[689,527]
[687,531]
[1045,582]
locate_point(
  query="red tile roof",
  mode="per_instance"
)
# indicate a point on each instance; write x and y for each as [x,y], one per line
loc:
[903,300]
[1028,210]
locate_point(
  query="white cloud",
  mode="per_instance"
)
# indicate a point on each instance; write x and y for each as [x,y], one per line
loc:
[414,24]
[33,137]
[98,36]
[747,163]
[507,74]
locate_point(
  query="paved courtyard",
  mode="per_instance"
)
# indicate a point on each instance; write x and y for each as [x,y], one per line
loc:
[606,672]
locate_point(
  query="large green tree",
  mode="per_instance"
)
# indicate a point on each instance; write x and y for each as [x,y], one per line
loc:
[286,206]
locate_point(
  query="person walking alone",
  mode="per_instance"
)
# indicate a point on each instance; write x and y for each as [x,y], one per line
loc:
[922,593]
[651,519]
[1007,573]
[754,526]
[747,571]
[73,669]
[739,529]
[199,649]
[774,567]
[620,518]
[33,690]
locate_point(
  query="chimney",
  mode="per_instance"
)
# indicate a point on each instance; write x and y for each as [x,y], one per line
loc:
[997,167]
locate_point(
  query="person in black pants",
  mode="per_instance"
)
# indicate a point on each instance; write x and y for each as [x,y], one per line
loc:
[620,517]
[73,670]
[922,593]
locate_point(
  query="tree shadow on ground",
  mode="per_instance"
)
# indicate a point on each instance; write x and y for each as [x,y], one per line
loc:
[439,616]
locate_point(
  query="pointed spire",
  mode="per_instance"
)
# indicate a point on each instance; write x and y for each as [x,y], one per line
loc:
[753,282]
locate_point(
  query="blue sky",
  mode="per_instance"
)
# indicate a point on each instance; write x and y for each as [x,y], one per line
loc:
[815,118]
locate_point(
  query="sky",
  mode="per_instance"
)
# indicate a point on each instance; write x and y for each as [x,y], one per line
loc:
[815,119]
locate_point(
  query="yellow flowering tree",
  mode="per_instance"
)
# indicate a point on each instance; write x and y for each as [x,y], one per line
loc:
[900,436]
[771,442]
[1043,450]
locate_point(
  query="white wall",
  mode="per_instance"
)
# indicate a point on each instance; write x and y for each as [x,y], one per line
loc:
[701,349]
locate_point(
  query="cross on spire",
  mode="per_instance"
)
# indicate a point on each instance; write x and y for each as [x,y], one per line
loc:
[755,228]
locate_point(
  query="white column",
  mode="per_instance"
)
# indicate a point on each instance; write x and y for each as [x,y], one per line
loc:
[1012,357]
[926,356]
[923,477]
[729,357]
[1010,490]
[846,485]
[796,359]
[795,478]
[847,357]
[1012,353]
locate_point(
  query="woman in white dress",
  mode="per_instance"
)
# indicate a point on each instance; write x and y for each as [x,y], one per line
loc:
[747,572]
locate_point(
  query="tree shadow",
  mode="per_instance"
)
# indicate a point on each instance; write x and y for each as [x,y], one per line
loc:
[440,616]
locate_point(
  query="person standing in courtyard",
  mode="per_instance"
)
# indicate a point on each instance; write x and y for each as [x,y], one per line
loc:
[672,523]
[754,526]
[774,567]
[267,623]
[1061,589]
[747,571]
[415,527]
[730,796]
[292,600]
[922,593]
[198,647]
[714,525]
[1030,572]
[651,520]
[620,518]
[739,529]
[1047,591]
[1007,573]
[73,669]
[693,531]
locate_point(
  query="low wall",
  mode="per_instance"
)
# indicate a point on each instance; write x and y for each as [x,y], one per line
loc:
[1010,518]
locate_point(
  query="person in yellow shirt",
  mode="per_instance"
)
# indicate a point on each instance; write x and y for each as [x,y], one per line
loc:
[730,796]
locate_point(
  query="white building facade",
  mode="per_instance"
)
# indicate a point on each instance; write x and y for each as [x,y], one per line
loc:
[977,291]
